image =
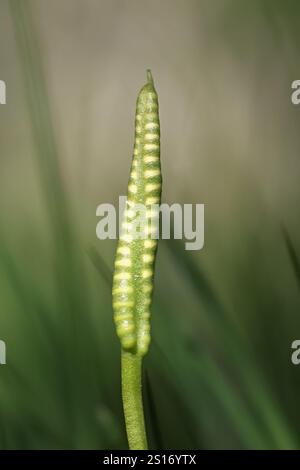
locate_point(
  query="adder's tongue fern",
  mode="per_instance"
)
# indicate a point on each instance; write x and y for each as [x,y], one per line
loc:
[134,262]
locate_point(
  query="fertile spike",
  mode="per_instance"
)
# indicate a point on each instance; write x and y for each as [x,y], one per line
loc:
[135,258]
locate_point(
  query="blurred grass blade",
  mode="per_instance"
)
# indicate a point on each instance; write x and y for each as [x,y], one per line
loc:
[292,253]
[195,276]
[100,265]
[38,104]
[153,421]
[237,349]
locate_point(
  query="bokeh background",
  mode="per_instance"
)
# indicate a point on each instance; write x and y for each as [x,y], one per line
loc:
[219,371]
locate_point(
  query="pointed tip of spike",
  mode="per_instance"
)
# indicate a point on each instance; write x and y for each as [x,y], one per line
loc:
[149,77]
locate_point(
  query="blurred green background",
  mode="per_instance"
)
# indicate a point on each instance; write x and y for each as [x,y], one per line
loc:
[219,373]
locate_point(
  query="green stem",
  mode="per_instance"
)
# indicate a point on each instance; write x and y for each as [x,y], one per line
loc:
[131,365]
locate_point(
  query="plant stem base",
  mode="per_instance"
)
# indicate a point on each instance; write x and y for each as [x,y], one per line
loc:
[131,365]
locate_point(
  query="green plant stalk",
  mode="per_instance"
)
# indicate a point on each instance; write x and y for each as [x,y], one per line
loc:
[131,370]
[135,259]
